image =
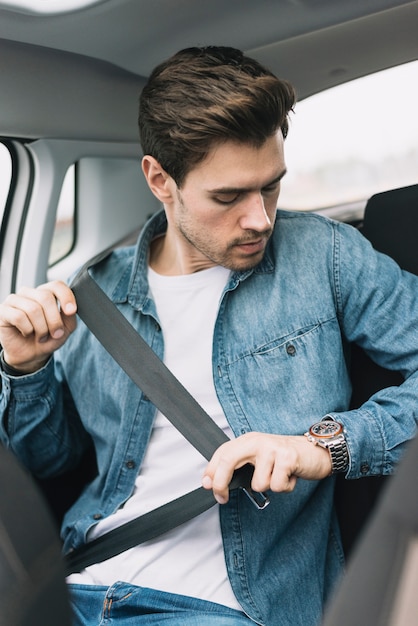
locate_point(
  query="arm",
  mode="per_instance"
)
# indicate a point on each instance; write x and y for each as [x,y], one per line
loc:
[377,306]
[39,420]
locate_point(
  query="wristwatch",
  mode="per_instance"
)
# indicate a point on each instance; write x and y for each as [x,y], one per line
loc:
[329,434]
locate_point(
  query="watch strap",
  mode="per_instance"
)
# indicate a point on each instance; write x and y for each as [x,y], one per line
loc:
[339,454]
[336,446]
[338,450]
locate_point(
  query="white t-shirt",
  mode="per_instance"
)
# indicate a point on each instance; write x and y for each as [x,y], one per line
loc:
[188,560]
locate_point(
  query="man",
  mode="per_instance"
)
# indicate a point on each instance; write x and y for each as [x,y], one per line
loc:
[253,312]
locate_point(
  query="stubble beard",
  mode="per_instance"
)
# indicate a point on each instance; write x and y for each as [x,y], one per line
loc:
[227,257]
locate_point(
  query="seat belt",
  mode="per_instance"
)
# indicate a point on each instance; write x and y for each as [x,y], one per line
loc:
[166,392]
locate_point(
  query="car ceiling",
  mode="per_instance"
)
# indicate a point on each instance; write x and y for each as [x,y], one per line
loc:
[136,35]
[313,43]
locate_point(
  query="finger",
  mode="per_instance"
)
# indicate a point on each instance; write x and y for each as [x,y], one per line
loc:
[220,481]
[283,477]
[23,314]
[48,305]
[227,458]
[220,469]
[289,483]
[63,295]
[41,308]
[263,469]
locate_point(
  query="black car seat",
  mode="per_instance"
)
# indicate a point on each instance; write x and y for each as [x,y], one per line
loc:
[391,225]
[32,585]
[380,585]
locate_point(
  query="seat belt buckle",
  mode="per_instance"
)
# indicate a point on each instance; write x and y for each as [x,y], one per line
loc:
[243,476]
[257,498]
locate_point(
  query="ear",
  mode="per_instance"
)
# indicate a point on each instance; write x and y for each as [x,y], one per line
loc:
[160,183]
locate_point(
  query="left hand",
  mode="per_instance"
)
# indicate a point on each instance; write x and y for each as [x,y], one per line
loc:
[278,461]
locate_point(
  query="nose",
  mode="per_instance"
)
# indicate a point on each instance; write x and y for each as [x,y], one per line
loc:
[255,216]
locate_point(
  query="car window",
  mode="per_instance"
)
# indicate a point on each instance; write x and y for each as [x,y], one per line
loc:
[5,177]
[64,231]
[352,141]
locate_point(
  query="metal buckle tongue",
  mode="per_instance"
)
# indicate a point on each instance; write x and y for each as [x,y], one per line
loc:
[242,479]
[258,498]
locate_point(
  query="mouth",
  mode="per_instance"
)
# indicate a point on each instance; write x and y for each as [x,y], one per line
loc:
[252,247]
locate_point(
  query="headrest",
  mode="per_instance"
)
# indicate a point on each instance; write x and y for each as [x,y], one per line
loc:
[391,225]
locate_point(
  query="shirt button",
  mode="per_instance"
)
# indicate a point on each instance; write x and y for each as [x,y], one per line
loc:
[291,350]
[97,516]
[130,464]
[364,468]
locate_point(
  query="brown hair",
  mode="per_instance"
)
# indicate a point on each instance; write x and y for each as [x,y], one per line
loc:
[205,96]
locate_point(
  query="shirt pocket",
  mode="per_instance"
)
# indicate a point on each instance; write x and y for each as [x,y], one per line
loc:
[285,384]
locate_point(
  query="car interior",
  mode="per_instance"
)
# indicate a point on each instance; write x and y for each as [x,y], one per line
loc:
[71,186]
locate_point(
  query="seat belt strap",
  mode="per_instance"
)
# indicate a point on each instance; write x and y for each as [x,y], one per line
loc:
[144,367]
[165,391]
[143,528]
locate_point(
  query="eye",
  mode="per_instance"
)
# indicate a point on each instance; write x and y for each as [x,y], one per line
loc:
[271,189]
[226,199]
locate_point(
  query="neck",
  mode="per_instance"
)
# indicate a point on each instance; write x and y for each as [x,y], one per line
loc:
[169,257]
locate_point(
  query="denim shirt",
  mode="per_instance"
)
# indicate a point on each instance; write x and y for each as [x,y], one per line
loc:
[280,363]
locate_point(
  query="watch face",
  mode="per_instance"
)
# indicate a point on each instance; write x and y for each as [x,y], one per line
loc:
[326,429]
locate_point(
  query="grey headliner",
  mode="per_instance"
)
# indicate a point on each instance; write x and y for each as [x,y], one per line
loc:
[137,34]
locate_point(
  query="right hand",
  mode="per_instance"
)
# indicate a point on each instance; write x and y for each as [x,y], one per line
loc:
[36,322]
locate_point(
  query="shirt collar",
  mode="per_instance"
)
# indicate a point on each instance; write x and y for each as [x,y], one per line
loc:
[133,286]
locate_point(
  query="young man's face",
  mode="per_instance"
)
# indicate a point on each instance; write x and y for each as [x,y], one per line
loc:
[224,212]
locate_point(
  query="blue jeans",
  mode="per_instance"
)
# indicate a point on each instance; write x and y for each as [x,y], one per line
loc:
[127,605]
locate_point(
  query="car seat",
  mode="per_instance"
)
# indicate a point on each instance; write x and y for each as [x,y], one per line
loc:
[32,584]
[391,224]
[381,582]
